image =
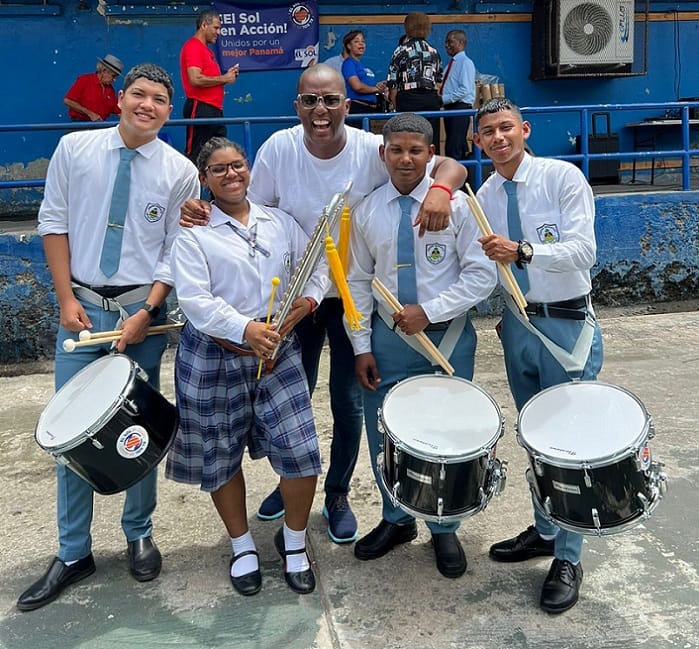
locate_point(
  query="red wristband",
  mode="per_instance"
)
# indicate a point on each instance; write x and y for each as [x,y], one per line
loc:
[312,302]
[444,187]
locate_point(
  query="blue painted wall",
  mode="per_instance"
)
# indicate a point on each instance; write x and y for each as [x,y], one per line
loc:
[648,243]
[648,246]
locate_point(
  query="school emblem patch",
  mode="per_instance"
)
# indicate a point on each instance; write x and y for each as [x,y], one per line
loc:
[287,263]
[154,212]
[435,252]
[548,233]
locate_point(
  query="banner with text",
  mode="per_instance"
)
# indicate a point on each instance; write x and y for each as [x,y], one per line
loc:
[269,37]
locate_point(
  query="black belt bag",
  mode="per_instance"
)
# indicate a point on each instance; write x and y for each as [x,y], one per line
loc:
[567,309]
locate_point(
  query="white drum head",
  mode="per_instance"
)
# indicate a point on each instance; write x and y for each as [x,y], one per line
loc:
[441,415]
[85,401]
[582,421]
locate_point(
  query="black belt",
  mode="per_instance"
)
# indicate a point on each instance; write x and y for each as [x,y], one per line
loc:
[438,326]
[567,309]
[459,104]
[109,291]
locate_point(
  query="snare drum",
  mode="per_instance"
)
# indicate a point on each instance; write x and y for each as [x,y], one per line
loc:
[591,469]
[439,438]
[108,425]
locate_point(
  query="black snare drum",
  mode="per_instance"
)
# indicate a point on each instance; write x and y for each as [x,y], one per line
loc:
[108,425]
[591,469]
[440,435]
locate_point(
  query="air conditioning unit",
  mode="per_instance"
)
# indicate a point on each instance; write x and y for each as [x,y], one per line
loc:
[595,32]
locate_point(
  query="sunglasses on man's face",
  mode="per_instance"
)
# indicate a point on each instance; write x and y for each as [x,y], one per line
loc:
[309,101]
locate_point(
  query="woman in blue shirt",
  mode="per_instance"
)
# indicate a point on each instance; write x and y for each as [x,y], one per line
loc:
[362,88]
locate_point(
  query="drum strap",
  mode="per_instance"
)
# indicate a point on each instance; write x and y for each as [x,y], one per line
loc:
[113,304]
[572,362]
[446,345]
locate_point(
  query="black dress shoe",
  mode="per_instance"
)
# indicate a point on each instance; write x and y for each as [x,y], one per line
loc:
[302,582]
[52,584]
[251,582]
[451,559]
[562,585]
[383,538]
[526,545]
[144,559]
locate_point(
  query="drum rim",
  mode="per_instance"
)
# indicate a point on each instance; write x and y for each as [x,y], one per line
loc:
[638,444]
[451,459]
[99,423]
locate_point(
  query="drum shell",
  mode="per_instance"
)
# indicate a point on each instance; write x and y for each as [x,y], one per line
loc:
[105,469]
[564,494]
[423,482]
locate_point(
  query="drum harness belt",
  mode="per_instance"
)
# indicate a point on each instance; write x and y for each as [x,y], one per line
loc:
[451,336]
[117,303]
[572,362]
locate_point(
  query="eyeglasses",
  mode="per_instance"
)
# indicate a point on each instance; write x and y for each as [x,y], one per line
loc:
[222,169]
[309,101]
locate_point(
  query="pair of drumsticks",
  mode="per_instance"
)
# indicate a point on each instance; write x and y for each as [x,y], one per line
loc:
[87,337]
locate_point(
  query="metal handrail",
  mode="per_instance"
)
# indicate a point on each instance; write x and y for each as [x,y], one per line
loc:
[475,164]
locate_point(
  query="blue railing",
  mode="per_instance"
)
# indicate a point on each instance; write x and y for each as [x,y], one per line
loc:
[475,164]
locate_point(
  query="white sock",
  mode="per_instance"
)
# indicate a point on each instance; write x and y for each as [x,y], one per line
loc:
[294,540]
[547,537]
[248,563]
[70,563]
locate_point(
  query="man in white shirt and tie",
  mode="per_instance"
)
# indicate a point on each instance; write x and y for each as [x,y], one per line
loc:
[458,93]
[108,220]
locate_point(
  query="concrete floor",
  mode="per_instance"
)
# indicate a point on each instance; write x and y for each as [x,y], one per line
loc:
[641,587]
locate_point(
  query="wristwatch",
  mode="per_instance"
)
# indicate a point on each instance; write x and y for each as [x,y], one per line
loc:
[525,252]
[152,310]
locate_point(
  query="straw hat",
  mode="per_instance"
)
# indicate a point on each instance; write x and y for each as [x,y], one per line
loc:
[112,63]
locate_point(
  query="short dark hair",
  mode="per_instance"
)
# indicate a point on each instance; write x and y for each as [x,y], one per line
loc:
[496,105]
[349,37]
[457,35]
[205,17]
[214,144]
[408,123]
[153,73]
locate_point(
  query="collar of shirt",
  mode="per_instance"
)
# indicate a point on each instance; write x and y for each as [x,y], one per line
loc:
[521,174]
[418,194]
[218,217]
[146,150]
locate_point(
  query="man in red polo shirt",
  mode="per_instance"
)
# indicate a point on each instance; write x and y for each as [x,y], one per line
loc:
[92,97]
[203,83]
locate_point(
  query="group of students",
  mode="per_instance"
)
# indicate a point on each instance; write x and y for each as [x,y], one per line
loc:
[255,232]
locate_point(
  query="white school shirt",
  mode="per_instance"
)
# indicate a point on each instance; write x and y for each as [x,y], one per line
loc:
[286,175]
[221,286]
[557,210]
[451,271]
[78,193]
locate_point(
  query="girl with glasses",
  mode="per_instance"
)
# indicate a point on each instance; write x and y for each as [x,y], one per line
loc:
[230,275]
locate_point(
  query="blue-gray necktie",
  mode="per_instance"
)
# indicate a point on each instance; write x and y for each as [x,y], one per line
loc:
[111,248]
[407,286]
[514,228]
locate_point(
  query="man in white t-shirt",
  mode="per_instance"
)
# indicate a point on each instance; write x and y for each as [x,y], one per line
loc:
[299,169]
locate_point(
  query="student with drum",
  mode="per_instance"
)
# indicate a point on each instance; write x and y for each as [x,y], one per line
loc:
[437,278]
[108,219]
[230,275]
[543,212]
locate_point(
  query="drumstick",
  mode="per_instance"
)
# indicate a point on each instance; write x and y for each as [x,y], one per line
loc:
[86,334]
[505,270]
[422,338]
[70,345]
[275,282]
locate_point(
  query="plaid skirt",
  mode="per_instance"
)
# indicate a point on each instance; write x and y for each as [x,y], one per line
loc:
[223,408]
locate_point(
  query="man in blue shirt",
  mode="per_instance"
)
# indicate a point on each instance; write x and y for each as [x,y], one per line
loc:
[458,93]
